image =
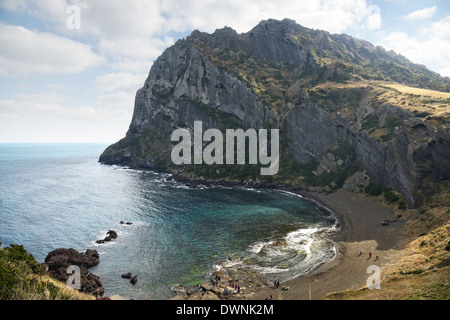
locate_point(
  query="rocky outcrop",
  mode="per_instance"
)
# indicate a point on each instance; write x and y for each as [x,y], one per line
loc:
[357,182]
[193,81]
[312,131]
[406,163]
[240,285]
[58,261]
[111,234]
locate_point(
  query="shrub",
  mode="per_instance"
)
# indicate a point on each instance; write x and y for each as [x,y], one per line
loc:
[373,190]
[389,196]
[22,278]
[18,254]
[402,205]
[370,122]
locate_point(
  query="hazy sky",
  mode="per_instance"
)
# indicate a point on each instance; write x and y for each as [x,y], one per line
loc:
[64,79]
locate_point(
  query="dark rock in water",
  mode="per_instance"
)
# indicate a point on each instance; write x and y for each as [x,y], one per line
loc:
[93,285]
[58,260]
[91,257]
[66,257]
[112,234]
[133,280]
[127,223]
[126,275]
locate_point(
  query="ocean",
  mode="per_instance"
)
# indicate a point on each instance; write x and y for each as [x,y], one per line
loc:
[58,196]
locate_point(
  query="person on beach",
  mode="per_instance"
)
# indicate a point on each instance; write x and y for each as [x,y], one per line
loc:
[360,252]
[370,255]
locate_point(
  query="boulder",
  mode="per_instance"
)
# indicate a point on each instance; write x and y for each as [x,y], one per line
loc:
[356,182]
[58,261]
[112,234]
[207,286]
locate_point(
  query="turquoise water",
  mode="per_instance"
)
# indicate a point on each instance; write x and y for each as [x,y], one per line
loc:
[58,195]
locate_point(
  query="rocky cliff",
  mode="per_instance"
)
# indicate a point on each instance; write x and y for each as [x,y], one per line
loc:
[327,94]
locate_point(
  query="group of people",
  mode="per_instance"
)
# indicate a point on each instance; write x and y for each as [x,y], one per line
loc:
[276,283]
[235,286]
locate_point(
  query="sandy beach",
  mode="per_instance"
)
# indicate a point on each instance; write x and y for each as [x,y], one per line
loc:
[361,228]
[365,225]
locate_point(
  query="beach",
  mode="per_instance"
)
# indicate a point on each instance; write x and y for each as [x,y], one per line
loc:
[365,226]
[361,228]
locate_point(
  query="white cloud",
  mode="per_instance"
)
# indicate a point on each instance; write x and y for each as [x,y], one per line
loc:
[421,14]
[48,9]
[122,81]
[439,29]
[24,51]
[117,100]
[124,37]
[121,88]
[46,118]
[141,29]
[374,18]
[134,47]
[429,47]
[333,16]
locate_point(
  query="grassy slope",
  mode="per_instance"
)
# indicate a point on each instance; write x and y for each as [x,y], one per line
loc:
[433,107]
[22,278]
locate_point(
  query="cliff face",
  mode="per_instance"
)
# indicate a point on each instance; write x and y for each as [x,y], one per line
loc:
[322,91]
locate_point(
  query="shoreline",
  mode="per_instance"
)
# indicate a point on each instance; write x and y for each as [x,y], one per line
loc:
[361,226]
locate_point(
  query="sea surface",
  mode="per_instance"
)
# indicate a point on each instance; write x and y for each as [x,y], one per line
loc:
[59,196]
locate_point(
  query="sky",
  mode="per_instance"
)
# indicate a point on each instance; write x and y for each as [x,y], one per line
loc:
[70,69]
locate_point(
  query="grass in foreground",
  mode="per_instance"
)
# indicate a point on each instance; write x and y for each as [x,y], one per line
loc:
[22,278]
